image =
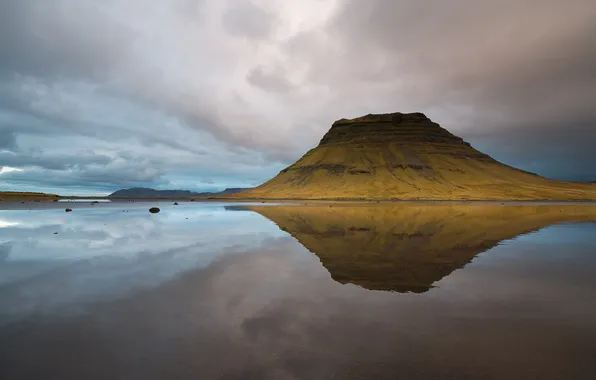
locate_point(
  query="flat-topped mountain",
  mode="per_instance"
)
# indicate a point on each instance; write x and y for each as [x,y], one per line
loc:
[407,156]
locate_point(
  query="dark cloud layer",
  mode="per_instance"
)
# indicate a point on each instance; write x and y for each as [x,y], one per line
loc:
[61,38]
[176,93]
[521,72]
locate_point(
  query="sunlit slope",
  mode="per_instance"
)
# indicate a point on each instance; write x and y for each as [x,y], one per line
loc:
[409,247]
[407,156]
[14,195]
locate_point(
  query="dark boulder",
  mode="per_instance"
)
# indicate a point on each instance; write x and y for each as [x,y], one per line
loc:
[154,210]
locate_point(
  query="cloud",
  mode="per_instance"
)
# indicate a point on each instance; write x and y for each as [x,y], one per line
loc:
[62,38]
[269,81]
[512,71]
[233,91]
[8,169]
[248,20]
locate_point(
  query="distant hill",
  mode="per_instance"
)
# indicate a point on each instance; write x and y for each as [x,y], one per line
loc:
[409,157]
[25,194]
[229,190]
[143,192]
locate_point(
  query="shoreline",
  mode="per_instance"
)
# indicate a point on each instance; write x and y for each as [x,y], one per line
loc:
[28,203]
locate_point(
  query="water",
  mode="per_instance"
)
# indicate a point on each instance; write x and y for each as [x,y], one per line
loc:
[222,291]
[81,200]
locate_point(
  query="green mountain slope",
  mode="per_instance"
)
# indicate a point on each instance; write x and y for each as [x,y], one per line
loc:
[407,156]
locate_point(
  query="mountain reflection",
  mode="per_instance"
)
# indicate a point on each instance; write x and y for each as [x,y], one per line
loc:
[409,247]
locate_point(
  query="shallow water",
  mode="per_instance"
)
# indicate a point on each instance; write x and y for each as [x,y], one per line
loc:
[80,200]
[222,291]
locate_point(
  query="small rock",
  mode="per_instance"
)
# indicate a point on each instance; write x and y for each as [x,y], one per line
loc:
[192,200]
[154,210]
[175,203]
[68,210]
[55,233]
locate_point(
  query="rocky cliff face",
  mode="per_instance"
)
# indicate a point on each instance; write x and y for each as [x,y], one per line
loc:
[389,128]
[406,156]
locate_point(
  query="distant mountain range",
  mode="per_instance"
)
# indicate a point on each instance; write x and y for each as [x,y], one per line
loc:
[143,192]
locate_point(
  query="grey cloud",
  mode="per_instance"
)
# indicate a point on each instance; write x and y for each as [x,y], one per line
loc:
[100,177]
[248,20]
[61,38]
[233,92]
[8,140]
[5,249]
[509,70]
[269,81]
[37,158]
[80,63]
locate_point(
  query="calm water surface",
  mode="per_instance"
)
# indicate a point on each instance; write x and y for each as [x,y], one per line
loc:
[221,291]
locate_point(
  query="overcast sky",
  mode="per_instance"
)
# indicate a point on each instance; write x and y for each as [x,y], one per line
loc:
[97,95]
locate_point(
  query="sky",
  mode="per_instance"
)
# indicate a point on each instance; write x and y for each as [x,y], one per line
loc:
[98,95]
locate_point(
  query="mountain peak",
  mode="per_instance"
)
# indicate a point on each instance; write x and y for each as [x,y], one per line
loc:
[395,118]
[406,156]
[394,127]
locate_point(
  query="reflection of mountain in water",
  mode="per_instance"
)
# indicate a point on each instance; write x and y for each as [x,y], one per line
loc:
[408,247]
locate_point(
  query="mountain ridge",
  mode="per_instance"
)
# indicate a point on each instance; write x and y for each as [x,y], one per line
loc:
[401,156]
[145,192]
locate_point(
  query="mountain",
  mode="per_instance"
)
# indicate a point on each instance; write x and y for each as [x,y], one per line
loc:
[407,247]
[407,156]
[229,190]
[11,195]
[142,192]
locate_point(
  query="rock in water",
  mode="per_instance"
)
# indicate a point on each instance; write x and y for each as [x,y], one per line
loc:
[175,203]
[154,210]
[68,210]
[406,156]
